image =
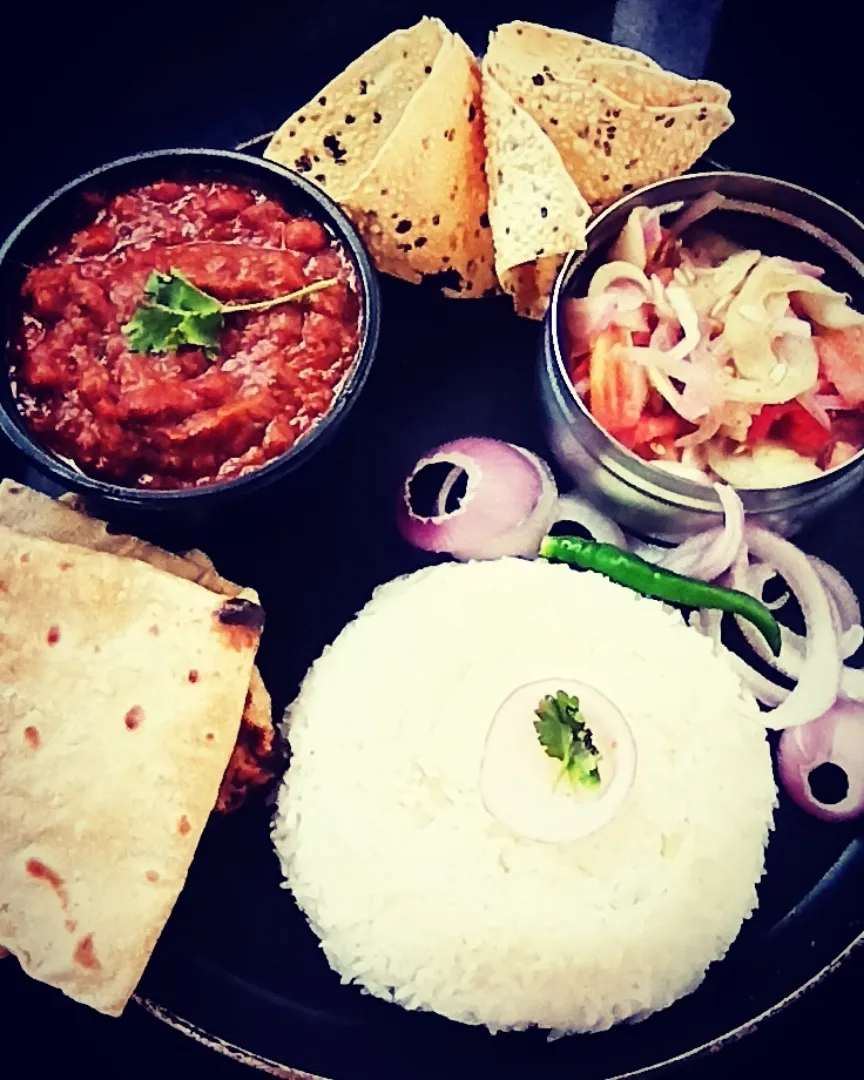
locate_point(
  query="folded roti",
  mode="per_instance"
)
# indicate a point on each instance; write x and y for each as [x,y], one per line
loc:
[122,692]
[33,514]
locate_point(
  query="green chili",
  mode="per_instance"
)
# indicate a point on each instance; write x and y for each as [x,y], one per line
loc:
[642,577]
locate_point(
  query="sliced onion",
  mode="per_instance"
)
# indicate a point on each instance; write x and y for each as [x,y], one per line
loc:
[687,315]
[519,782]
[819,678]
[507,508]
[631,243]
[809,401]
[654,553]
[586,317]
[834,740]
[829,308]
[611,272]
[843,593]
[799,328]
[709,425]
[834,403]
[581,512]
[698,209]
[798,267]
[710,554]
[758,576]
[763,689]
[852,684]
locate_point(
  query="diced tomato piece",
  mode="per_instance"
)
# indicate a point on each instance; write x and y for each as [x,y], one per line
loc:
[657,428]
[580,369]
[642,338]
[618,386]
[791,424]
[165,191]
[841,353]
[803,432]
[763,421]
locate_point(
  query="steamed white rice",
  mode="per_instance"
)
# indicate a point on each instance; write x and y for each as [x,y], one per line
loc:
[422,898]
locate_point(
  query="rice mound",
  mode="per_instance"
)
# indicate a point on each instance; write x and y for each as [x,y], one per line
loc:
[422,898]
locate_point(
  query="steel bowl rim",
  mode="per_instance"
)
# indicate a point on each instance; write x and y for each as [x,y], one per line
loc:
[678,491]
[335,218]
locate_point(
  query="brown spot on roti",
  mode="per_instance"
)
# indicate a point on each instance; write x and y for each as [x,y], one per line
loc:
[193,676]
[152,875]
[183,826]
[154,630]
[71,925]
[134,718]
[53,635]
[241,621]
[37,870]
[85,955]
[31,737]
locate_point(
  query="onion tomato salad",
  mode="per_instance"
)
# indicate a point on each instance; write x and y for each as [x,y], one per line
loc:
[715,360]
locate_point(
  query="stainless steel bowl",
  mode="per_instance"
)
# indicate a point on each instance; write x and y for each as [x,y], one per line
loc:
[780,219]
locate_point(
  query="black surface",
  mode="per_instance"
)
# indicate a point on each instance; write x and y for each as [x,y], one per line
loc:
[82,90]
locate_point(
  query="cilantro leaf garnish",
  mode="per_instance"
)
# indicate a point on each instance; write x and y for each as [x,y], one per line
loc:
[174,290]
[564,735]
[175,313]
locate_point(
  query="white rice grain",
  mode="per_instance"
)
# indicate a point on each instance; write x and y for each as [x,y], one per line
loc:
[422,898]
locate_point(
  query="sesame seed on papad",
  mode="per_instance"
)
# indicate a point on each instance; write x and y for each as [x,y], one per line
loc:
[562,50]
[609,145]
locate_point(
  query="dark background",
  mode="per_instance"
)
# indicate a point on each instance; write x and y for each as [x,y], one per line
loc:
[87,84]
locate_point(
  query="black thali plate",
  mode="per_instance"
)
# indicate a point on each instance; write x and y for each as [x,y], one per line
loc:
[237,964]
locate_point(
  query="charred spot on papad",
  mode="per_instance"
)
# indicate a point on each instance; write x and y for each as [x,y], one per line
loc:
[348,122]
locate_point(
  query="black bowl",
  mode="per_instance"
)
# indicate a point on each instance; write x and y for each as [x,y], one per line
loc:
[62,213]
